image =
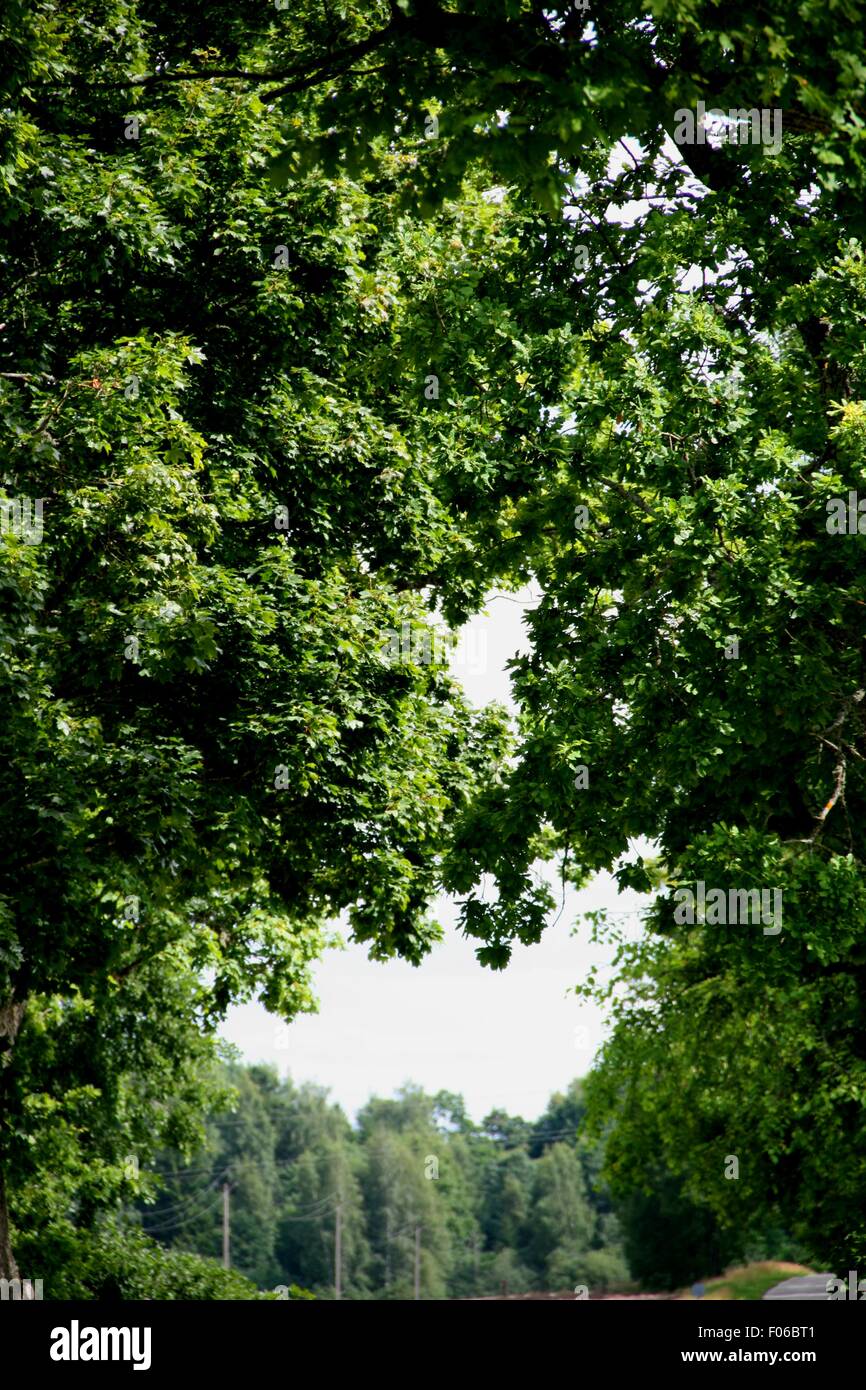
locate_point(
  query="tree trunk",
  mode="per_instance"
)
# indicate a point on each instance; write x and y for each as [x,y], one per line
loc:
[8,1267]
[11,1014]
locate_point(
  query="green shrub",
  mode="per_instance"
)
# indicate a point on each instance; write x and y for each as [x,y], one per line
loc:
[603,1269]
[505,1271]
[112,1264]
[598,1269]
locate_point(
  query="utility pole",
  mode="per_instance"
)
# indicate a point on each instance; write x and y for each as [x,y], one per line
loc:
[417,1262]
[338,1250]
[226,1257]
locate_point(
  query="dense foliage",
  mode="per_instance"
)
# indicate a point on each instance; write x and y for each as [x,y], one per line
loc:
[210,751]
[271,413]
[111,1264]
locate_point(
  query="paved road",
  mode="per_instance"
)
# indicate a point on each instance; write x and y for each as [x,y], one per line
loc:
[806,1288]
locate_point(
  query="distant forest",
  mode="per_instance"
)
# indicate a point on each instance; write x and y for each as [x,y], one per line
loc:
[504,1205]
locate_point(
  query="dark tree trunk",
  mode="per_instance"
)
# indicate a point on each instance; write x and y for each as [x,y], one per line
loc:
[8,1267]
[11,1014]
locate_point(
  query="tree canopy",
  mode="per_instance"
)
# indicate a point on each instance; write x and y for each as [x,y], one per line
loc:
[316,323]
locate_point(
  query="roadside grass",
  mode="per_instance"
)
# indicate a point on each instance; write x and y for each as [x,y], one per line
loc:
[746,1281]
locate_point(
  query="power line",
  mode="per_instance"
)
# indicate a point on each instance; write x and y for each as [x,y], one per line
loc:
[317,1208]
[175,1222]
[189,1208]
[183,1172]
[161,1210]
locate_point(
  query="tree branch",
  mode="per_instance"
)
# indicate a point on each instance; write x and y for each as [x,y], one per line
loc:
[305,74]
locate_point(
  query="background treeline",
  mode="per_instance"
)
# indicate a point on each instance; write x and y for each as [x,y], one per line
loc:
[501,1205]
